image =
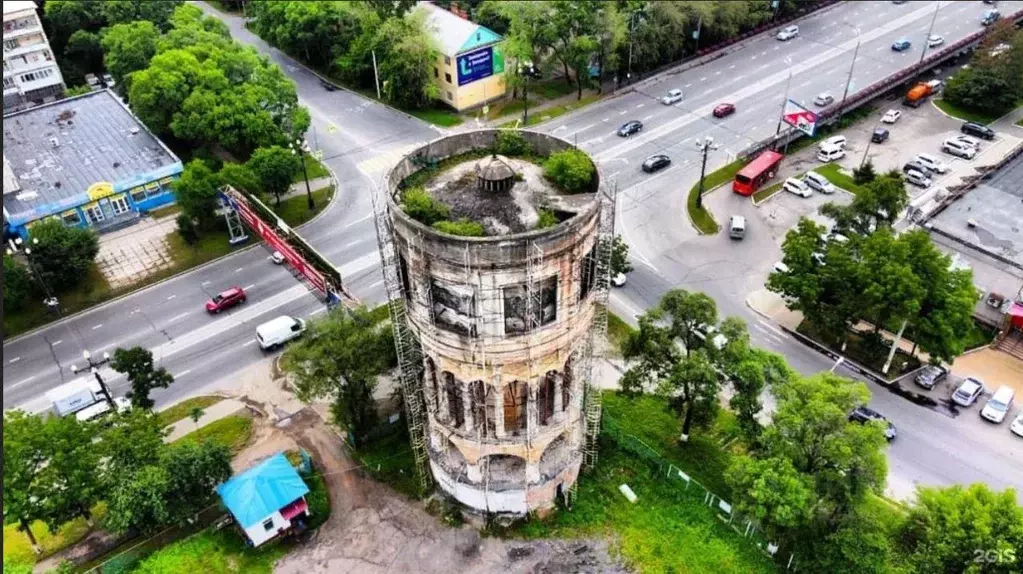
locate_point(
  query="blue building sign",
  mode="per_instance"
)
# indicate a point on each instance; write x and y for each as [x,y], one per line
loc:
[478,65]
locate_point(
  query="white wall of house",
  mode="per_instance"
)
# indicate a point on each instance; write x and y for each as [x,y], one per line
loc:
[258,533]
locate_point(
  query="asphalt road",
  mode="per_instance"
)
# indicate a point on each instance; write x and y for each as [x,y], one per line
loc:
[360,139]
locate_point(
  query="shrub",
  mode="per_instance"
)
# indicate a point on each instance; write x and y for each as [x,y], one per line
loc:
[547,219]
[512,143]
[421,206]
[463,227]
[865,173]
[187,229]
[62,255]
[571,170]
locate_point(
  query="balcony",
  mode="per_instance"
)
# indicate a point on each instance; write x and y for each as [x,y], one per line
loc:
[27,45]
[17,66]
[21,26]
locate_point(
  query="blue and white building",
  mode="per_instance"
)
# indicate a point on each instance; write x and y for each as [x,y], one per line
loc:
[267,500]
[86,160]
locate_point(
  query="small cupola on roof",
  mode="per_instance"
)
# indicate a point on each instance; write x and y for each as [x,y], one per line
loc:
[495,174]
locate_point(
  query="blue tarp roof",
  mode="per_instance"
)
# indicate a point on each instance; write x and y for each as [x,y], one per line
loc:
[262,490]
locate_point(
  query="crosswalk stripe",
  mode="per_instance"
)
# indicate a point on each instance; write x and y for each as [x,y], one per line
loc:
[386,160]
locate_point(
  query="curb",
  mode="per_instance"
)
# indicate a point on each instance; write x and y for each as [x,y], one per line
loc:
[172,277]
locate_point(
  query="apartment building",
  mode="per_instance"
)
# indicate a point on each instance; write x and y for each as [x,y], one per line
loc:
[31,74]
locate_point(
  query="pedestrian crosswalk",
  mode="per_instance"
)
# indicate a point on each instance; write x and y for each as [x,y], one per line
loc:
[386,160]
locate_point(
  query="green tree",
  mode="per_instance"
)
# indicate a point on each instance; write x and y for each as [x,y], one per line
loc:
[341,357]
[24,460]
[79,90]
[240,177]
[275,167]
[575,29]
[406,55]
[158,92]
[194,471]
[196,192]
[620,256]
[865,173]
[62,255]
[964,529]
[139,500]
[392,8]
[84,49]
[570,170]
[136,364]
[128,48]
[195,414]
[773,492]
[133,442]
[71,480]
[17,284]
[689,315]
[692,390]
[418,204]
[65,17]
[878,204]
[891,291]
[119,11]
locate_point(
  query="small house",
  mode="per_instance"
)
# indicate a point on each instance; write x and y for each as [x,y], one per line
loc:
[268,500]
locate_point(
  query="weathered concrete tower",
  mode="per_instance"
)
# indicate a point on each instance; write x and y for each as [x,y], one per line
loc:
[500,329]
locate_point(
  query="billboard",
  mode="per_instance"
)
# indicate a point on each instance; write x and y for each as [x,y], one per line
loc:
[480,64]
[799,117]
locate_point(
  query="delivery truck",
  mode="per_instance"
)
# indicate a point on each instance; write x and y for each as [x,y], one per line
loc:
[918,94]
[84,398]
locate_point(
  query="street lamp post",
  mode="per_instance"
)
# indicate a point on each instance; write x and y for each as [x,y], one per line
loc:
[301,147]
[927,39]
[93,365]
[863,160]
[704,145]
[848,81]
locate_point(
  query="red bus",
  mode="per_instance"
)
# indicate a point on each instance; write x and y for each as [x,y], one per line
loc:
[757,172]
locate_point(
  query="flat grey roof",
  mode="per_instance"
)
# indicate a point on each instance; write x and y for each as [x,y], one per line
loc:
[60,149]
[996,206]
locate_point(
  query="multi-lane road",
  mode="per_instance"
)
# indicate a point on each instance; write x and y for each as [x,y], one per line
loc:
[361,139]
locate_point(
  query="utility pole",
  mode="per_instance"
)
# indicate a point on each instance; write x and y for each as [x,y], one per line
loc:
[300,147]
[704,145]
[784,100]
[863,160]
[927,39]
[93,365]
[848,81]
[696,34]
[376,75]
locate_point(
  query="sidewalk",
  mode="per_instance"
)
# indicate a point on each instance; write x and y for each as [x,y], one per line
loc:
[214,412]
[314,184]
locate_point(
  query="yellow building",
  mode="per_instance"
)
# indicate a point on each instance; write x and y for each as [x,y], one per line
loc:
[469,70]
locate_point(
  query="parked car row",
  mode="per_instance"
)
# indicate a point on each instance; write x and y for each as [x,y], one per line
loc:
[969,391]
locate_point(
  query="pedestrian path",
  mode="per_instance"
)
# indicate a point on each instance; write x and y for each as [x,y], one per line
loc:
[214,412]
[314,184]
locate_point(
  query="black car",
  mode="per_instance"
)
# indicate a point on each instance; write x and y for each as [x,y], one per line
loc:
[879,136]
[865,415]
[974,129]
[917,166]
[930,376]
[635,126]
[656,162]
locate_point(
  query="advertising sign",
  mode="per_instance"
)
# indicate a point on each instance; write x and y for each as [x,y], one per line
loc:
[799,117]
[480,64]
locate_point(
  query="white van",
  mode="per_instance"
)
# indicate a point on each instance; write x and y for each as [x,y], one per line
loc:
[737,227]
[830,153]
[999,404]
[833,141]
[276,332]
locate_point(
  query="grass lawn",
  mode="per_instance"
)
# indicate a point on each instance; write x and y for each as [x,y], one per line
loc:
[702,218]
[963,113]
[835,175]
[167,210]
[618,332]
[295,210]
[233,432]
[314,167]
[380,313]
[768,191]
[553,112]
[389,459]
[318,500]
[213,552]
[181,410]
[437,116]
[92,290]
[18,550]
[552,89]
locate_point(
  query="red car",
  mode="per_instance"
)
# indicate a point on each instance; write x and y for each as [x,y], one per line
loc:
[225,300]
[723,110]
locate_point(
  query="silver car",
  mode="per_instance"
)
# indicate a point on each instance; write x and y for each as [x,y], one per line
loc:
[968,392]
[930,376]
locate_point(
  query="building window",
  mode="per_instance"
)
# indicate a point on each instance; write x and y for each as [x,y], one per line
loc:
[39,75]
[447,77]
[525,311]
[95,213]
[268,524]
[515,398]
[8,83]
[138,194]
[153,189]
[71,217]
[545,397]
[453,388]
[589,273]
[10,44]
[449,96]
[447,61]
[120,204]
[436,72]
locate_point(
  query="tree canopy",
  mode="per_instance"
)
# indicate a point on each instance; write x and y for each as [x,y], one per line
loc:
[136,364]
[275,167]
[61,255]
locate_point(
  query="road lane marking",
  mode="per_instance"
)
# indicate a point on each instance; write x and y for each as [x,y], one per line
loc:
[249,342]
[582,129]
[171,297]
[176,317]
[640,106]
[20,383]
[732,67]
[238,270]
[687,85]
[94,327]
[247,287]
[14,360]
[703,79]
[182,373]
[623,112]
[360,220]
[205,283]
[318,311]
[648,117]
[773,328]
[57,342]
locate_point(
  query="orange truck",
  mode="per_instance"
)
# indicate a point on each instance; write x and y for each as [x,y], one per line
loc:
[918,94]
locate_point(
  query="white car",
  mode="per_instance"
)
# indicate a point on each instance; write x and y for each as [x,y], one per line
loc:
[969,140]
[618,280]
[793,185]
[818,182]
[935,41]
[958,149]
[782,268]
[1017,425]
[891,116]
[672,97]
[932,163]
[967,392]
[918,179]
[824,99]
[109,80]
[830,153]
[788,33]
[833,141]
